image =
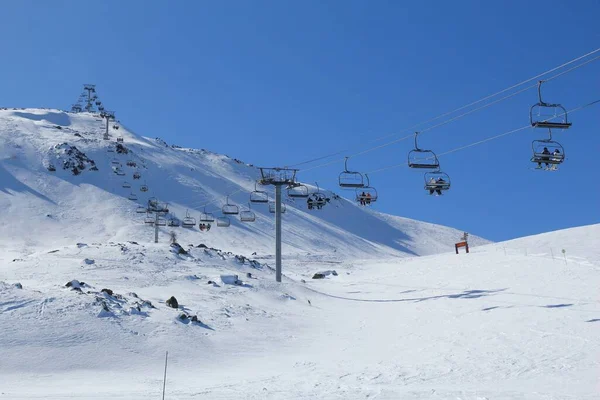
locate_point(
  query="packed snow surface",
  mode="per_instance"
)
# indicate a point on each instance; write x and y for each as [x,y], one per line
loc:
[83,289]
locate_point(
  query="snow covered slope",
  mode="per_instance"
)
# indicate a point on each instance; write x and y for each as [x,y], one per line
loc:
[480,326]
[84,199]
[83,288]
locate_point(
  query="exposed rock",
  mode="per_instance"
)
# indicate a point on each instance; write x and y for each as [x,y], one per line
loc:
[318,276]
[18,285]
[107,291]
[172,302]
[89,261]
[75,284]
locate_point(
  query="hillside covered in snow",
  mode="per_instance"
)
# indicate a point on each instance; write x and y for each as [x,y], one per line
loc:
[371,305]
[62,183]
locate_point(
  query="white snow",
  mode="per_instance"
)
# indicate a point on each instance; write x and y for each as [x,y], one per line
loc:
[511,320]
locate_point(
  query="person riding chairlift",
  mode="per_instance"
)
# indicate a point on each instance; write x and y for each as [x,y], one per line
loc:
[362,198]
[309,203]
[544,158]
[368,199]
[557,156]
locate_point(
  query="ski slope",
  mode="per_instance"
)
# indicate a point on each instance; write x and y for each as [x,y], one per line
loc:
[510,320]
[61,209]
[479,326]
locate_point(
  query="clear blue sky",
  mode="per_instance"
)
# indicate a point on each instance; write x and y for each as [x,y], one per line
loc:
[279,82]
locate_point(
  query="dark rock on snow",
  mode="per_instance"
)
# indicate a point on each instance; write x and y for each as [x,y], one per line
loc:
[172,302]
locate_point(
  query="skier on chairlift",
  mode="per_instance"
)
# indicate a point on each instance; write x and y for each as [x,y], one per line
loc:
[545,157]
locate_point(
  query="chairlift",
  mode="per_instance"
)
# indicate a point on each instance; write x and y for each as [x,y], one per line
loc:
[144,188]
[297,190]
[116,126]
[136,175]
[110,149]
[120,139]
[548,152]
[141,210]
[247,215]
[541,114]
[223,222]
[161,221]
[173,222]
[132,196]
[273,207]
[316,199]
[207,217]
[126,185]
[149,220]
[51,167]
[131,163]
[119,171]
[367,194]
[259,196]
[350,179]
[188,222]
[422,159]
[152,203]
[230,209]
[437,182]
[115,161]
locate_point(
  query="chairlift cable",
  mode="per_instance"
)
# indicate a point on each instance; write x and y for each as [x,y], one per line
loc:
[461,108]
[486,139]
[455,117]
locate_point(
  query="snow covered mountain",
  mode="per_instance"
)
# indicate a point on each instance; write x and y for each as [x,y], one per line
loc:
[84,289]
[86,197]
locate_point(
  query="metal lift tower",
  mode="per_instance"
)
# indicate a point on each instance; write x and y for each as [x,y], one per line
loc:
[109,115]
[278,177]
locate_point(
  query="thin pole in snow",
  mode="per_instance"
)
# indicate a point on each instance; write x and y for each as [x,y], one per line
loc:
[552,252]
[165,378]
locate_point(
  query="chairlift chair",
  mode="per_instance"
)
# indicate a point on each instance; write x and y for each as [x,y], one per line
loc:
[173,222]
[367,194]
[350,179]
[554,154]
[259,196]
[149,220]
[136,175]
[115,161]
[541,114]
[223,222]
[144,188]
[188,222]
[153,204]
[247,215]
[110,149]
[297,191]
[230,209]
[437,181]
[161,221]
[141,210]
[119,172]
[132,196]
[273,208]
[207,217]
[126,185]
[422,159]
